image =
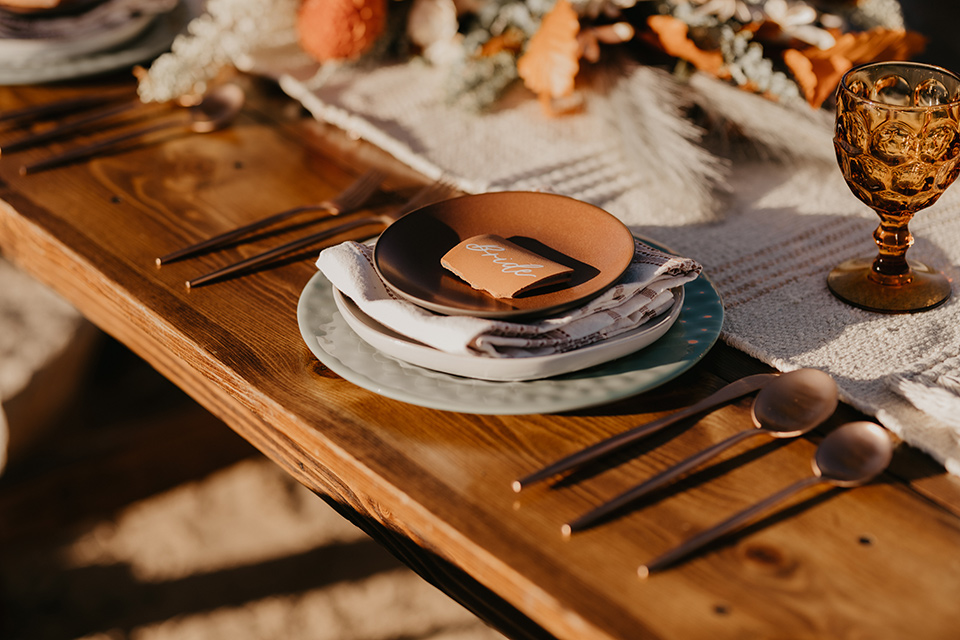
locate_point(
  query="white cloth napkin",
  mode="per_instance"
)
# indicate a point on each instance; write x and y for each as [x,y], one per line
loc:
[643,292]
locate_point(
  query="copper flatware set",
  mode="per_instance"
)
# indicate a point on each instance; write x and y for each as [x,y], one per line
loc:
[786,406]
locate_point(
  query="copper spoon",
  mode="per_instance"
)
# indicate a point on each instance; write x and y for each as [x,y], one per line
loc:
[788,407]
[214,111]
[732,391]
[853,454]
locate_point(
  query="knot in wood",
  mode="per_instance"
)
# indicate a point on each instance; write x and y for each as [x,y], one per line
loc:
[769,558]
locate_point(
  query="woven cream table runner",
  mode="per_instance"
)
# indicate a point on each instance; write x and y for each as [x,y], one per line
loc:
[767,227]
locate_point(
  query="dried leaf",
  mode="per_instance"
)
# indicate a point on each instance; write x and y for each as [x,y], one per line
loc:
[551,61]
[817,77]
[873,46]
[818,71]
[672,37]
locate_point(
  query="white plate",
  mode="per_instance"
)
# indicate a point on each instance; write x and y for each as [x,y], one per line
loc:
[504,369]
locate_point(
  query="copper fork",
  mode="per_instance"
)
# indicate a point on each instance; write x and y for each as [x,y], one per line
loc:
[68,105]
[429,194]
[350,199]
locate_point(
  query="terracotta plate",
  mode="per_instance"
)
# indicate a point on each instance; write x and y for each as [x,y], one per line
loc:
[596,245]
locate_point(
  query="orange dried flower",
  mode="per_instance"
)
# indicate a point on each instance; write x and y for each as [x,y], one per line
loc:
[551,62]
[340,29]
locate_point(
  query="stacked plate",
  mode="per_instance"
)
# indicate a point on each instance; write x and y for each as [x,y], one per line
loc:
[599,249]
[46,40]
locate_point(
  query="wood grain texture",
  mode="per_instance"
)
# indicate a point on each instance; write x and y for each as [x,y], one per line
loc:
[875,562]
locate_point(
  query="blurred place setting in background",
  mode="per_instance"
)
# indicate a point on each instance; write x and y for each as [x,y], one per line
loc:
[51,40]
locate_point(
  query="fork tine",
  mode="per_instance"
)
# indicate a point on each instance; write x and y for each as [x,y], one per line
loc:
[358,192]
[428,194]
[350,198]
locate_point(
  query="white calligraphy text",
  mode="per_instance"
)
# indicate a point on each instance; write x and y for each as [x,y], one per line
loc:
[493,251]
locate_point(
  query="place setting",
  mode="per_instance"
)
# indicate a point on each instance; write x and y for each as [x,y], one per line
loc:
[896,143]
[562,308]
[795,290]
[447,307]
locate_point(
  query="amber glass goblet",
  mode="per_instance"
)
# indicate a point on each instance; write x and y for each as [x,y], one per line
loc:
[897,144]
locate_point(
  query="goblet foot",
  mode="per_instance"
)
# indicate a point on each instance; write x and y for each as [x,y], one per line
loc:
[851,282]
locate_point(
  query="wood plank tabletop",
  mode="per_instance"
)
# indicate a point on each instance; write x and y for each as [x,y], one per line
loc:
[878,561]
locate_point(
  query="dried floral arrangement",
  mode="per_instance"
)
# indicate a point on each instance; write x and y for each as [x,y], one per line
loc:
[790,51]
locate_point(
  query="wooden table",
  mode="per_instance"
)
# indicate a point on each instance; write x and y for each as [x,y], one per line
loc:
[876,562]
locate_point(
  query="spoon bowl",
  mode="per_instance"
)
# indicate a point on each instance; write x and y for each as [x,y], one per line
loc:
[795,403]
[853,454]
[216,108]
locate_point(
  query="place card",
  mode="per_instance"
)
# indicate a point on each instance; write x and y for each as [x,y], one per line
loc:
[502,268]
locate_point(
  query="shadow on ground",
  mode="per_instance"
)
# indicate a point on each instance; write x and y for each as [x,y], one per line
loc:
[141,516]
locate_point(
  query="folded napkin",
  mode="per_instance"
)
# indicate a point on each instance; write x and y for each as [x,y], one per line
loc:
[642,293]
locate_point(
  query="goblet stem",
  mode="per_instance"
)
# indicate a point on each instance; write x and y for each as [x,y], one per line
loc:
[890,283]
[893,238]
